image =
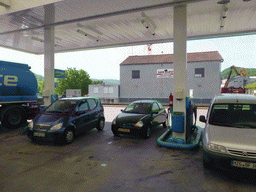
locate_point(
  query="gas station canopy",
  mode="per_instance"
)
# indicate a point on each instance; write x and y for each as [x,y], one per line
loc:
[93,24]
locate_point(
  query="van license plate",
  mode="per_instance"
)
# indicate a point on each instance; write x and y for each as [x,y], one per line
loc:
[124,130]
[243,164]
[36,134]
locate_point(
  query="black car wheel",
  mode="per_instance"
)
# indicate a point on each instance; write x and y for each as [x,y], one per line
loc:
[68,136]
[115,132]
[146,132]
[101,125]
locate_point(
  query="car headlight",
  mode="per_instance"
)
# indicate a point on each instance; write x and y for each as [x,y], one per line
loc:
[217,148]
[114,122]
[57,126]
[30,125]
[139,124]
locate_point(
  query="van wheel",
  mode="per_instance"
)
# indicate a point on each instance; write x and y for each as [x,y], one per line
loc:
[101,125]
[68,136]
[207,164]
[14,118]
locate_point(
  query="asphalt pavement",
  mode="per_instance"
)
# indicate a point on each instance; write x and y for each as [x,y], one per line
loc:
[100,162]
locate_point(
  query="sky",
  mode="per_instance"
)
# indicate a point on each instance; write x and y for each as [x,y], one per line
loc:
[104,63]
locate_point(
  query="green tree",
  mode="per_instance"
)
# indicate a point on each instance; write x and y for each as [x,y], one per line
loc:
[74,80]
[40,88]
[97,81]
[251,86]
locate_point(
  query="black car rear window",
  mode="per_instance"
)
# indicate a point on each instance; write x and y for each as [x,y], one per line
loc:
[143,108]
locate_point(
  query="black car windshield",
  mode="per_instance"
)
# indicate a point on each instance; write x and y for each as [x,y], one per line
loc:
[233,115]
[61,106]
[143,108]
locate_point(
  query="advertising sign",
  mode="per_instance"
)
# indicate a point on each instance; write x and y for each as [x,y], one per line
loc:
[164,73]
[59,73]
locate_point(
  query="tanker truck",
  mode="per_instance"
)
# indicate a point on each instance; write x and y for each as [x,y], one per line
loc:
[18,99]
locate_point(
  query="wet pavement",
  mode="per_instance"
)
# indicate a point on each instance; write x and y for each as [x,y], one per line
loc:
[98,161]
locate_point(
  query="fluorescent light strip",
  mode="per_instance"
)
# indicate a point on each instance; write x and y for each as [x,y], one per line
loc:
[87,35]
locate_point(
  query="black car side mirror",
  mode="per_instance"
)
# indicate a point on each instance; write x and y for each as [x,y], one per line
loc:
[202,118]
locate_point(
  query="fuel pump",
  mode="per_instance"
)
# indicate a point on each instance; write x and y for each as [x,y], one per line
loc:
[184,124]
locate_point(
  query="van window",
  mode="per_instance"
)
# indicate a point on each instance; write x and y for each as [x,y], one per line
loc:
[233,115]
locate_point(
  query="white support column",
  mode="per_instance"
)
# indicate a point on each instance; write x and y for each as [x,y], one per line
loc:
[49,54]
[180,63]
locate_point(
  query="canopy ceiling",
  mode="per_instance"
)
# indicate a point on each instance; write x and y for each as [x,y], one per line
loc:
[93,24]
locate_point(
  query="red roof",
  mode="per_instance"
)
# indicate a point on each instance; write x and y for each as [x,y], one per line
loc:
[168,58]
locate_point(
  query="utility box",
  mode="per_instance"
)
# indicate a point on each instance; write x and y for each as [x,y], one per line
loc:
[178,122]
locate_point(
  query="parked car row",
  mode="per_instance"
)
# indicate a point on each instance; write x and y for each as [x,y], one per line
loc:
[67,117]
[228,139]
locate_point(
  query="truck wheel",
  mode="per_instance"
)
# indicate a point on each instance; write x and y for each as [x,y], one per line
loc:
[14,118]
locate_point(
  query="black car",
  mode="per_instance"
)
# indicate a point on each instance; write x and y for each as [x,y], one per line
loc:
[139,117]
[67,117]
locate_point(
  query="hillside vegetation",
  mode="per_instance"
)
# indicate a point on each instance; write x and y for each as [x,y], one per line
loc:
[225,72]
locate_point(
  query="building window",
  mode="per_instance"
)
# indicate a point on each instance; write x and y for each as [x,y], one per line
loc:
[199,72]
[135,74]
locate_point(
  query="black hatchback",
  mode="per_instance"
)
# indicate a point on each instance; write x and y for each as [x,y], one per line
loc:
[140,117]
[67,117]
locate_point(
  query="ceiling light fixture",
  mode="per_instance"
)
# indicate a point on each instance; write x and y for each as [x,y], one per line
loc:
[37,39]
[87,35]
[223,1]
[223,16]
[91,30]
[223,13]
[148,25]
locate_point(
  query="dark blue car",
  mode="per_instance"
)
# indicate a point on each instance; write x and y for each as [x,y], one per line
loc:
[67,117]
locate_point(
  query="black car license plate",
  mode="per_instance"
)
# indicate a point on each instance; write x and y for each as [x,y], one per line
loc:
[124,130]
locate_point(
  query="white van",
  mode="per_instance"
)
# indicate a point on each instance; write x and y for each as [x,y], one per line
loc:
[229,137]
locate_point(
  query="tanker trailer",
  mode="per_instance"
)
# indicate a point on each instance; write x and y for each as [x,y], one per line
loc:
[18,100]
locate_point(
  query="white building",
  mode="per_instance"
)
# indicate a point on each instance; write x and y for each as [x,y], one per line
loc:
[151,77]
[106,93]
